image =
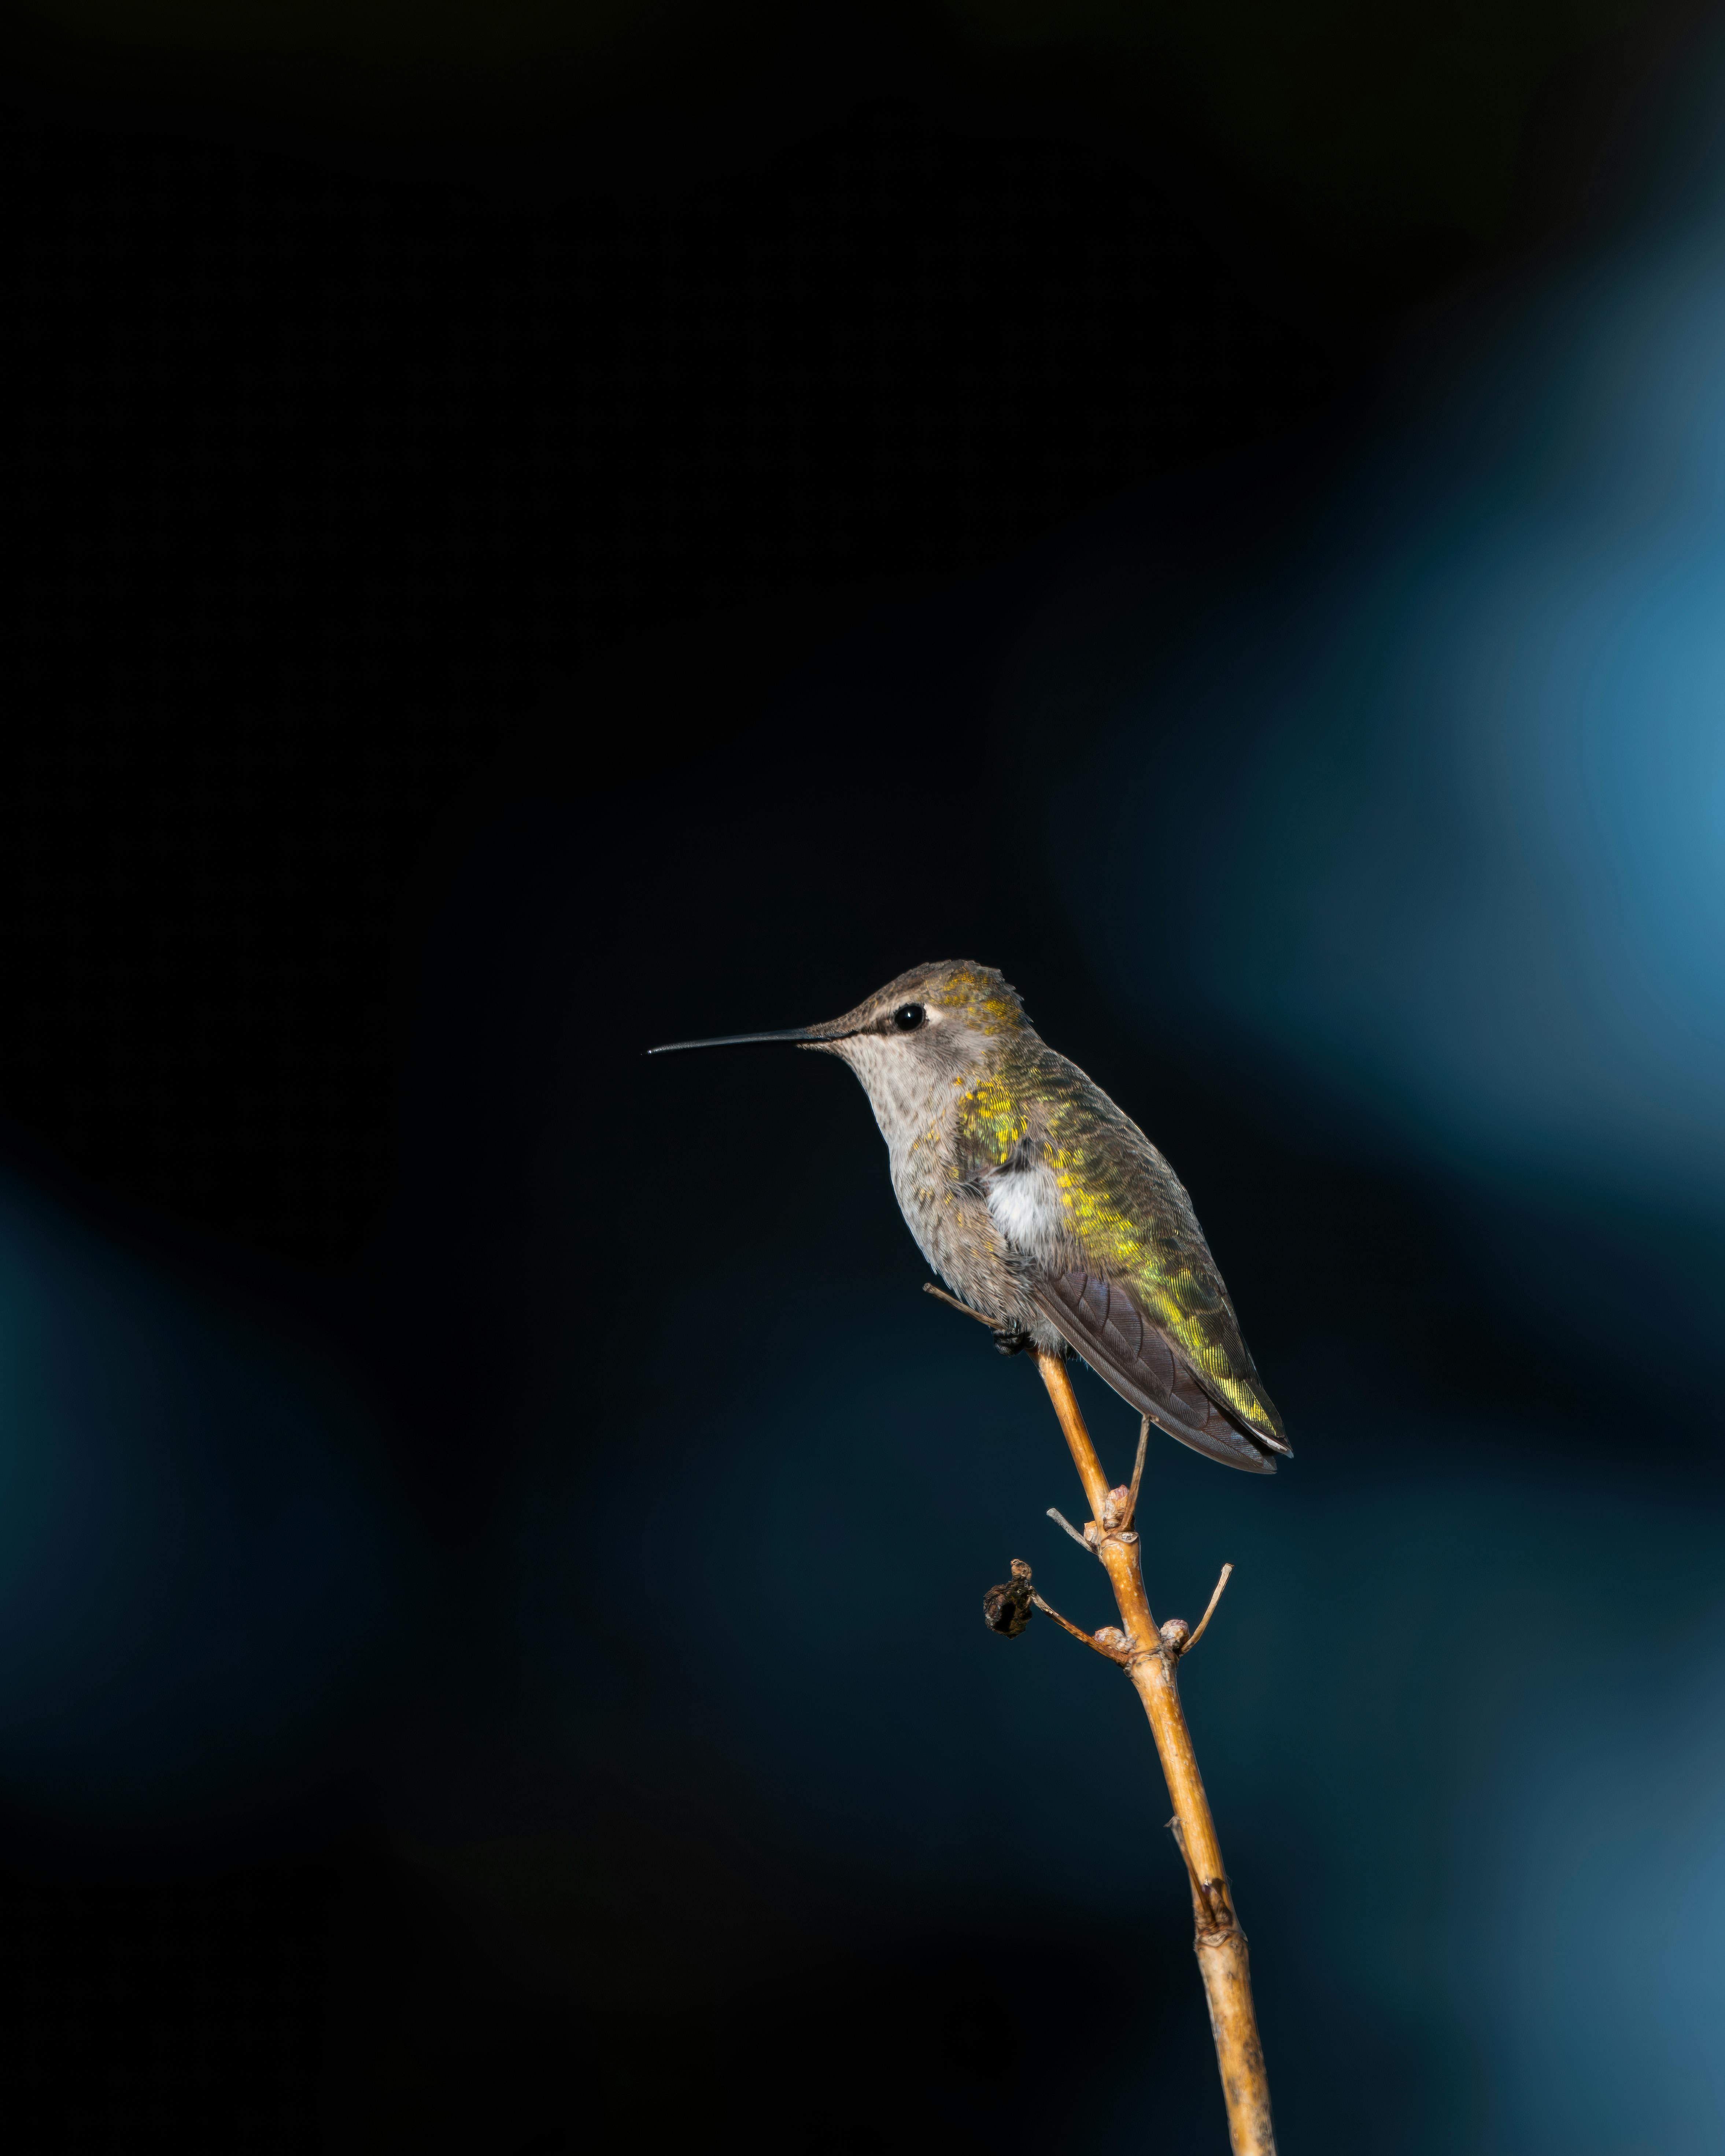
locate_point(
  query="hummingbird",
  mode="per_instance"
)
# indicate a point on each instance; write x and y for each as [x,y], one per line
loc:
[1043,1206]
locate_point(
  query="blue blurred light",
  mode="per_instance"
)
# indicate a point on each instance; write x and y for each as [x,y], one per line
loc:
[1437,809]
[195,1581]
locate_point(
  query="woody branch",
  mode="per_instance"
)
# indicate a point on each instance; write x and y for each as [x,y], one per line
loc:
[1148,1655]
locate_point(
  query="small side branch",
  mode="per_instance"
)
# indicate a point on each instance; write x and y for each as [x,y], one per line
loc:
[1132,1498]
[1060,1520]
[1209,1608]
[952,1302]
[1110,1641]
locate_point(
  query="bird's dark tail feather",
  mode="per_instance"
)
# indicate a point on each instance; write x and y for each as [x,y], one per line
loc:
[1105,1325]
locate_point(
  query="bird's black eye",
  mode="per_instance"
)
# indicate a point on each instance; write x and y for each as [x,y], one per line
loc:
[907,1018]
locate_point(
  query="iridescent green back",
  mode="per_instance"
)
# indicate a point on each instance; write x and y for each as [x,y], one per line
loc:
[1129,1213]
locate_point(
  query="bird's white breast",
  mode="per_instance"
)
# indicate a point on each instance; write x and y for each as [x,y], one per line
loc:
[1026,1207]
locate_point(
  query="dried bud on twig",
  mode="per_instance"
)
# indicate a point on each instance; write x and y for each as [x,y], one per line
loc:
[1175,1633]
[1006,1608]
[1112,1638]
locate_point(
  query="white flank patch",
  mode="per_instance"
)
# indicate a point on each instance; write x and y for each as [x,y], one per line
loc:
[1026,1207]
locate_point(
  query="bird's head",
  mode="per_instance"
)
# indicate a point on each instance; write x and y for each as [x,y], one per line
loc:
[944,1020]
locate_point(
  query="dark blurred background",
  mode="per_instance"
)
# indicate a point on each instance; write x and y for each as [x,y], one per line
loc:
[540,528]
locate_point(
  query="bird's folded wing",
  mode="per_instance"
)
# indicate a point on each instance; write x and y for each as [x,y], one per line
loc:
[1101,1320]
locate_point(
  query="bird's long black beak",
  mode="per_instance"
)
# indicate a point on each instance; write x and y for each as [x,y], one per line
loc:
[744,1040]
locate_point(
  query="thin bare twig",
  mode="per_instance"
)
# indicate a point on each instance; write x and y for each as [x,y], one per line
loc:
[1060,1520]
[941,1296]
[1101,1647]
[1209,1608]
[1131,1498]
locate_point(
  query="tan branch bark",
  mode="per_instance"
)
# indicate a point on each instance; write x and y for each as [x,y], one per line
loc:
[1218,1940]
